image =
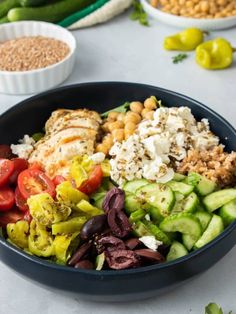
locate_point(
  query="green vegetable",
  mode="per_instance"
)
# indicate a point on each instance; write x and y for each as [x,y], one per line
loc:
[178,177]
[140,229]
[54,12]
[122,108]
[228,212]
[89,209]
[134,185]
[100,260]
[213,308]
[158,233]
[6,5]
[180,187]
[4,19]
[217,199]
[98,199]
[132,203]
[139,14]
[32,3]
[203,185]
[64,246]
[38,136]
[179,58]
[45,211]
[137,215]
[18,233]
[70,226]
[177,250]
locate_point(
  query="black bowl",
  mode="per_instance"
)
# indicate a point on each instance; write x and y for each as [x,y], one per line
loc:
[29,117]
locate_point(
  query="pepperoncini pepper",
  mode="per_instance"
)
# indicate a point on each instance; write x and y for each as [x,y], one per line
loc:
[70,226]
[215,54]
[64,246]
[18,233]
[40,241]
[68,195]
[186,40]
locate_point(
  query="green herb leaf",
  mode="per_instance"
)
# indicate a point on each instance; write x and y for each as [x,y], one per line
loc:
[179,58]
[122,108]
[139,14]
[213,308]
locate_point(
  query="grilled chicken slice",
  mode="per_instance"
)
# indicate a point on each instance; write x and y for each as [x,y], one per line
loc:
[68,133]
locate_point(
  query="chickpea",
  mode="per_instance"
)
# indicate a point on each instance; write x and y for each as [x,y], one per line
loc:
[121,117]
[105,126]
[130,126]
[136,106]
[145,111]
[113,115]
[115,125]
[150,103]
[102,148]
[128,133]
[149,115]
[204,6]
[154,3]
[132,117]
[108,140]
[118,134]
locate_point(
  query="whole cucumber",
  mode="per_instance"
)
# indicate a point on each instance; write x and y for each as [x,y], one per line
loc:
[7,5]
[49,13]
[32,3]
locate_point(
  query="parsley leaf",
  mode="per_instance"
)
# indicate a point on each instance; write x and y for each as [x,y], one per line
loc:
[139,14]
[179,58]
[213,308]
[122,108]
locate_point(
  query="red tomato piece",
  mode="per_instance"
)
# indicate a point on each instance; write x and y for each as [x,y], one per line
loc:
[36,165]
[7,198]
[94,181]
[11,216]
[27,216]
[6,152]
[20,164]
[34,181]
[6,170]
[58,180]
[21,203]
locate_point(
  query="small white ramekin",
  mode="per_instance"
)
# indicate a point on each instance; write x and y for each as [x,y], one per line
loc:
[34,81]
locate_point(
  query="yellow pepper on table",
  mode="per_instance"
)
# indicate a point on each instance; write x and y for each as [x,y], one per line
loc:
[186,40]
[215,54]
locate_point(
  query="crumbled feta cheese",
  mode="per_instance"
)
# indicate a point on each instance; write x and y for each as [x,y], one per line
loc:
[151,242]
[25,148]
[171,133]
[98,158]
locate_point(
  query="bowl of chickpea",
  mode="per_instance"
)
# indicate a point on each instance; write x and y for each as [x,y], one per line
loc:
[204,14]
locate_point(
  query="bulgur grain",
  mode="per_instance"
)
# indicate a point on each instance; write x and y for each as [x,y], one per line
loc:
[30,53]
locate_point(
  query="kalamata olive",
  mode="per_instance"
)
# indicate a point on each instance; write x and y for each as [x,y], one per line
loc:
[119,223]
[84,264]
[150,255]
[109,243]
[132,243]
[93,226]
[80,254]
[114,199]
[122,259]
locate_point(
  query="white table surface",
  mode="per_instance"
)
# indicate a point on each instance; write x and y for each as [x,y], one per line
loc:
[125,51]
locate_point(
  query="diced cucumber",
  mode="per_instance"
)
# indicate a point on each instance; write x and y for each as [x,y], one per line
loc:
[205,186]
[188,241]
[132,203]
[181,187]
[214,228]
[228,212]
[185,223]
[132,186]
[158,233]
[178,203]
[137,215]
[177,250]
[157,195]
[190,203]
[217,199]
[178,177]
[98,199]
[140,229]
[100,260]
[204,218]
[155,214]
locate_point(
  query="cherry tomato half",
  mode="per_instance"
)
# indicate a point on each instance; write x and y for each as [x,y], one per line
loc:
[34,181]
[20,164]
[58,180]
[21,203]
[11,216]
[94,181]
[6,170]
[7,198]
[6,152]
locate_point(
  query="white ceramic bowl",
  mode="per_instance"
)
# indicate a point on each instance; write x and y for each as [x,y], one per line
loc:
[34,81]
[185,22]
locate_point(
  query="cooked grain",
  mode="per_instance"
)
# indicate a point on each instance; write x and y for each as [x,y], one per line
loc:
[30,53]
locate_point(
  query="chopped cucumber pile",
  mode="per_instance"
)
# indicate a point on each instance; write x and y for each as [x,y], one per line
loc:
[180,212]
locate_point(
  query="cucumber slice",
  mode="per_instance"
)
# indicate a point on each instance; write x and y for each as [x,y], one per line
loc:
[187,204]
[217,199]
[179,177]
[140,229]
[158,233]
[185,223]
[177,250]
[204,218]
[100,260]
[214,228]
[181,187]
[132,203]
[133,185]
[157,195]
[155,214]
[178,203]
[228,212]
[137,215]
[188,241]
[205,186]
[98,199]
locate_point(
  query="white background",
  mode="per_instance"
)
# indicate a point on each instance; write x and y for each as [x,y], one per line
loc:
[125,51]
